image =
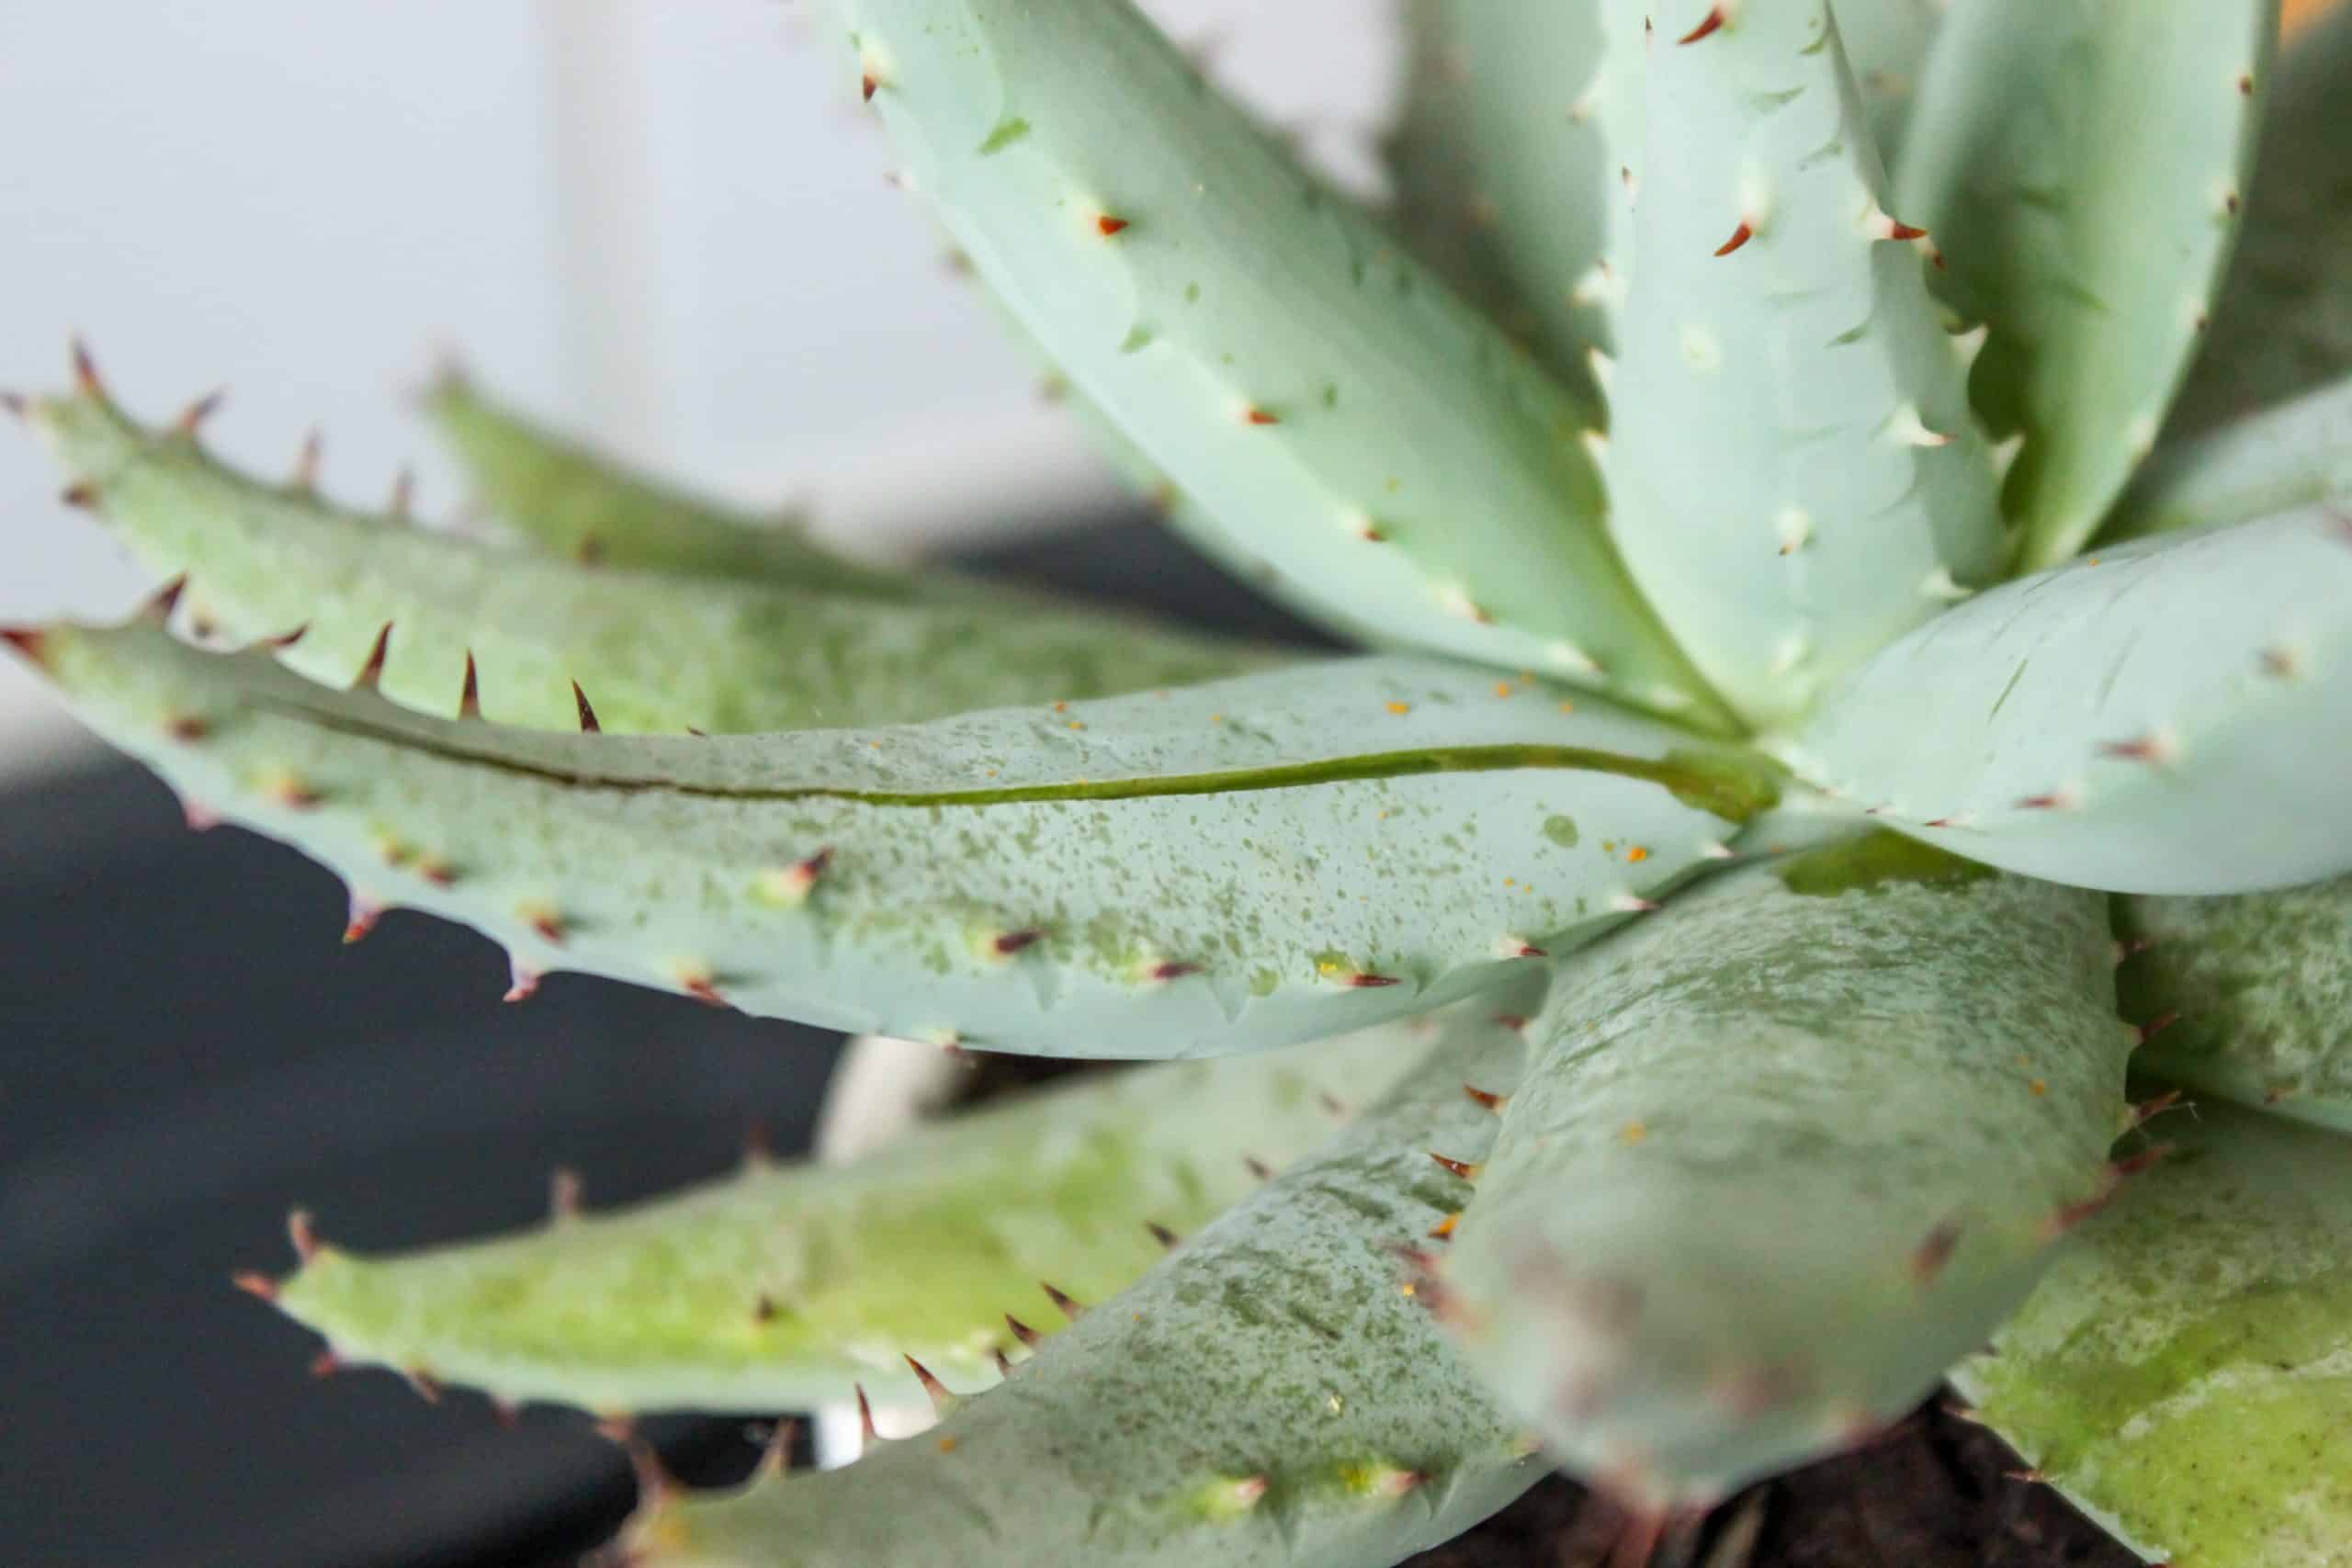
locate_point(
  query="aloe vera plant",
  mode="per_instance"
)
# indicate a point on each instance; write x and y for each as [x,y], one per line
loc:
[1671,1004]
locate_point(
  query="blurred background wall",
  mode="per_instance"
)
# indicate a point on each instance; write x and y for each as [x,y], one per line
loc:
[663,222]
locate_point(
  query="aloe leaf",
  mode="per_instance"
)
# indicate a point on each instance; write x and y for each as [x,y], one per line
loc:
[2259,986]
[566,500]
[1786,1153]
[2115,722]
[1797,476]
[785,1287]
[1522,145]
[1319,396]
[2184,1375]
[2296,455]
[652,650]
[2283,323]
[1269,1395]
[1211,869]
[2082,165]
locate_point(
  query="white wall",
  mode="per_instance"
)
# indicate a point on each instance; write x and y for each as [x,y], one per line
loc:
[664,221]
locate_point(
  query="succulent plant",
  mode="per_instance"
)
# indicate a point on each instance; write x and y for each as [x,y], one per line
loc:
[1816,681]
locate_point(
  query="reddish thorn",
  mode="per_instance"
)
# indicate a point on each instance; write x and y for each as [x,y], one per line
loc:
[427,1386]
[2134,1165]
[1110,225]
[521,983]
[550,927]
[164,599]
[192,418]
[365,913]
[325,1364]
[403,494]
[1937,822]
[1898,229]
[261,1287]
[1367,982]
[437,872]
[2149,1110]
[1173,971]
[1261,416]
[504,1413]
[2157,1025]
[1022,1331]
[1069,1308]
[868,1436]
[86,378]
[1529,950]
[764,1308]
[1162,1235]
[1487,1097]
[302,1234]
[1007,944]
[200,818]
[759,1146]
[1332,1104]
[2143,748]
[943,1398]
[1465,1170]
[285,640]
[1257,1168]
[188,728]
[2031,1477]
[306,465]
[1515,1022]
[469,699]
[2049,802]
[1444,1229]
[1739,236]
[14,403]
[1935,1250]
[1003,1361]
[588,725]
[565,1190]
[82,494]
[372,672]
[704,989]
[868,85]
[1714,20]
[2245,84]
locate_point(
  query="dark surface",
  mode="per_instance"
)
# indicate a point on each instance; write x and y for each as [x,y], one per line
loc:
[186,1049]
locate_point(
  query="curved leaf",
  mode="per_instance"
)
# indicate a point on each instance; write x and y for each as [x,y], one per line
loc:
[1786,1152]
[565,499]
[1317,394]
[2296,455]
[1267,1396]
[781,1289]
[2260,989]
[1213,869]
[1796,476]
[653,650]
[2081,164]
[2284,320]
[2184,1373]
[2172,715]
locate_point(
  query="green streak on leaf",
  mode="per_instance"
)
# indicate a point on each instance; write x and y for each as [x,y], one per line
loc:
[1006,134]
[1870,863]
[1561,831]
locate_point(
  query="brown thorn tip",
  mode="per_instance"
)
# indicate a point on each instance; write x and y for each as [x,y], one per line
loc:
[82,494]
[86,378]
[1022,1331]
[285,640]
[1069,1309]
[1262,416]
[564,1193]
[588,725]
[365,913]
[1712,20]
[259,1286]
[942,1397]
[1257,1168]
[403,494]
[304,1234]
[1162,1235]
[1487,1097]
[1739,236]
[1365,982]
[427,1386]
[1174,971]
[868,85]
[1935,1250]
[2031,1477]
[1466,1169]
[373,670]
[164,599]
[192,418]
[1007,944]
[325,1364]
[469,699]
[25,641]
[1514,1022]
[2157,1025]
[521,983]
[306,465]
[14,403]
[1110,225]
[866,1417]
[1898,229]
